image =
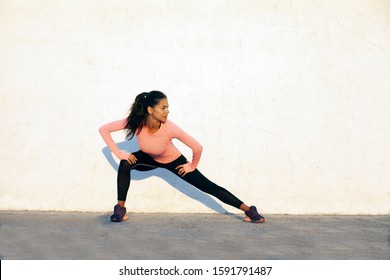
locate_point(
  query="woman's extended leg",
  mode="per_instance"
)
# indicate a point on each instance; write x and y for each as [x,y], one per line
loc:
[198,180]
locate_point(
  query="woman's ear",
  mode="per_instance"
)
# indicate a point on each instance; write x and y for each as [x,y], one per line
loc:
[150,110]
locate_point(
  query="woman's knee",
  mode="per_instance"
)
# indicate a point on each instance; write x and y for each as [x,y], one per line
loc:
[124,166]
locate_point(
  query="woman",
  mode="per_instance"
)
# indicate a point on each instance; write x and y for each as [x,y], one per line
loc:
[148,121]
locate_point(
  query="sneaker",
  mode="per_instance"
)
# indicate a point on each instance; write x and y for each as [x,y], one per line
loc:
[253,216]
[119,214]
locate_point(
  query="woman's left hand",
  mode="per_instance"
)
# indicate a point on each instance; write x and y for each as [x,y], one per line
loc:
[183,169]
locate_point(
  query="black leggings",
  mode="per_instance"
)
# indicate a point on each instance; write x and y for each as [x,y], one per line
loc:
[195,178]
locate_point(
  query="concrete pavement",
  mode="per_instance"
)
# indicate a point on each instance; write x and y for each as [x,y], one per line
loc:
[91,236]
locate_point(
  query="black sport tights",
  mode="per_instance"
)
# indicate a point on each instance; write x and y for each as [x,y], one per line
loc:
[195,178]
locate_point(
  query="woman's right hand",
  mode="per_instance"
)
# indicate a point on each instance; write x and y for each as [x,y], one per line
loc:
[131,159]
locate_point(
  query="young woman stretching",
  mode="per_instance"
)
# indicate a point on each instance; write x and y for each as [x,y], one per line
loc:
[148,121]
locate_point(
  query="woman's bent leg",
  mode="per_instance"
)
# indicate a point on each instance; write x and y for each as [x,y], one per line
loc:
[144,163]
[123,180]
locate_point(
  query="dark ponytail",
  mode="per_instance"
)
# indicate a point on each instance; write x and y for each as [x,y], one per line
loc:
[139,111]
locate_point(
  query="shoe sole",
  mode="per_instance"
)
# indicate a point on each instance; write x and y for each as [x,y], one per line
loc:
[248,220]
[125,218]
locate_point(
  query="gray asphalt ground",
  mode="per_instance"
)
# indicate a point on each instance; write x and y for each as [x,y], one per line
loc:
[30,235]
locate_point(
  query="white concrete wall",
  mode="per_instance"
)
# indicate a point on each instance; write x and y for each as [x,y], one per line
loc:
[290,99]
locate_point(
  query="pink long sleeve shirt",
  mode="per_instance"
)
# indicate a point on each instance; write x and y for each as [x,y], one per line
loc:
[158,145]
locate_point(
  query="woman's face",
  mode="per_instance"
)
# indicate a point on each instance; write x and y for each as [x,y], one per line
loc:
[160,111]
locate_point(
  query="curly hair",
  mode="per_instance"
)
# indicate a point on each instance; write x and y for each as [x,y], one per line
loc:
[139,111]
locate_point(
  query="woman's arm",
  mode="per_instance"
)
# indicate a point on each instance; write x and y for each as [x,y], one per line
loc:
[105,132]
[188,140]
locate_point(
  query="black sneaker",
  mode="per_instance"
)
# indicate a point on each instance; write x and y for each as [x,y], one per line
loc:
[254,216]
[119,214]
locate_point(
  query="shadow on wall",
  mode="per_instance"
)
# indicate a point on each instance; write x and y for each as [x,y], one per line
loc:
[170,178]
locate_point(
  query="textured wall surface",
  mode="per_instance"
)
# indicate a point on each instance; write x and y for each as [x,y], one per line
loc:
[290,99]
